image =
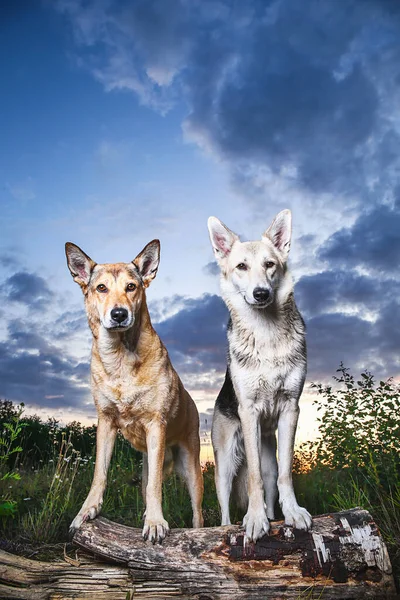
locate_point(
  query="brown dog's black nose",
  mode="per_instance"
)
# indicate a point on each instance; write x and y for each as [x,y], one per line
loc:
[261,294]
[119,314]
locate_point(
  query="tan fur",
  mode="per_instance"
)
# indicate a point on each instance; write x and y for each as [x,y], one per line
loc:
[134,386]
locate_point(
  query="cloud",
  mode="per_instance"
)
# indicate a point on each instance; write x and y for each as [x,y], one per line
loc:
[9,261]
[338,291]
[358,343]
[29,289]
[196,335]
[35,371]
[212,269]
[70,323]
[372,242]
[143,45]
[350,318]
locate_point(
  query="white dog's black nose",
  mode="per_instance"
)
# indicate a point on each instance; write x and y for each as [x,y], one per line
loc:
[119,314]
[261,294]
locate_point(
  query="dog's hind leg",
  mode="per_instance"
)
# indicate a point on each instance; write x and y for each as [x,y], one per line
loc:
[145,475]
[225,438]
[269,472]
[105,440]
[145,478]
[239,488]
[187,464]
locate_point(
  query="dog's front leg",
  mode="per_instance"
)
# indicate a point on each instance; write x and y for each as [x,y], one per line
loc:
[255,521]
[155,526]
[105,440]
[294,514]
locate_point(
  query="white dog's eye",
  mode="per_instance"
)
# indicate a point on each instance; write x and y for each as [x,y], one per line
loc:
[269,264]
[101,288]
[241,267]
[130,287]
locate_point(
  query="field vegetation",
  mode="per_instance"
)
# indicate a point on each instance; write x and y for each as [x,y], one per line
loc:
[46,469]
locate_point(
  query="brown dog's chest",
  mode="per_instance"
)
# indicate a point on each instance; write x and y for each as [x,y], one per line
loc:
[131,410]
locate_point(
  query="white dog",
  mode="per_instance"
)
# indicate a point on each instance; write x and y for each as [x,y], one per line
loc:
[264,379]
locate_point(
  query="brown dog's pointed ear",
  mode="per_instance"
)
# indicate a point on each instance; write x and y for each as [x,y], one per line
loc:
[79,263]
[222,238]
[280,232]
[147,262]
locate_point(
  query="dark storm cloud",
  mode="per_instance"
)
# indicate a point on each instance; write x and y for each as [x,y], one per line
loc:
[196,336]
[33,370]
[286,107]
[335,338]
[359,343]
[301,86]
[373,242]
[29,289]
[328,290]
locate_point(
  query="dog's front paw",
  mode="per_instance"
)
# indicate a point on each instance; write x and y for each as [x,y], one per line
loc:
[256,524]
[155,530]
[85,514]
[297,516]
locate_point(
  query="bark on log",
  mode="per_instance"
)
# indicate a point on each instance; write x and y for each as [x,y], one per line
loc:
[342,557]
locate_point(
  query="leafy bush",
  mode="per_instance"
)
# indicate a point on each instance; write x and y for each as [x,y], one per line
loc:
[360,425]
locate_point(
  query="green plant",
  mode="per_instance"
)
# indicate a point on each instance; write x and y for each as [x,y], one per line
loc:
[10,449]
[359,425]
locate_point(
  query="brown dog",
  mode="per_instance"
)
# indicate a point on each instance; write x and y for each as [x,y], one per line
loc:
[135,387]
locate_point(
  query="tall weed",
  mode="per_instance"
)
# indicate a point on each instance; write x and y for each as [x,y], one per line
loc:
[42,524]
[9,452]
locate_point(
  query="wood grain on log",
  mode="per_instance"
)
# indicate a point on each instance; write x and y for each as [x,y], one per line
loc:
[342,557]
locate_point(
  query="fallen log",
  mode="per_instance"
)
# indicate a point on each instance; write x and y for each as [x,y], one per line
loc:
[342,557]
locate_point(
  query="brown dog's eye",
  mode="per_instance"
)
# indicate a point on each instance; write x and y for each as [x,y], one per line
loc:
[101,288]
[241,267]
[130,287]
[269,264]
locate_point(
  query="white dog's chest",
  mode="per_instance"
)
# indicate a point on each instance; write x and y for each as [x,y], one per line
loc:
[268,379]
[265,392]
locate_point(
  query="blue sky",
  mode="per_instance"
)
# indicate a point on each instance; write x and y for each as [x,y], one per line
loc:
[126,121]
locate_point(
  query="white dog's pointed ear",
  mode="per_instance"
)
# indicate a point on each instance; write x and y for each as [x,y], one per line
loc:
[80,264]
[280,232]
[222,238]
[147,262]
